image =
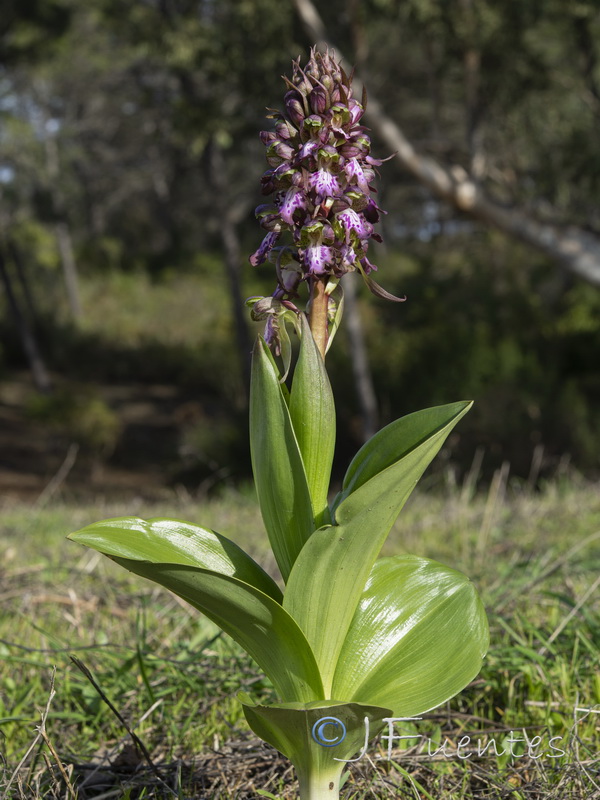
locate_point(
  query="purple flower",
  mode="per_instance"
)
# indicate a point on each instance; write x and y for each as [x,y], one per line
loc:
[272,334]
[307,149]
[348,257]
[265,248]
[356,110]
[319,259]
[325,183]
[353,222]
[294,199]
[322,186]
[355,174]
[372,211]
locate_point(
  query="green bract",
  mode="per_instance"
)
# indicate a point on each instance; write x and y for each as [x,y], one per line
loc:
[351,637]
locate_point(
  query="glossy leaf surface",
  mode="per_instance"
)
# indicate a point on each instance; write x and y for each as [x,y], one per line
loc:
[254,619]
[395,441]
[329,576]
[417,638]
[279,473]
[175,542]
[312,411]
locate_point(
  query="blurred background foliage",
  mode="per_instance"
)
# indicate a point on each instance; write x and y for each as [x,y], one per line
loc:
[129,171]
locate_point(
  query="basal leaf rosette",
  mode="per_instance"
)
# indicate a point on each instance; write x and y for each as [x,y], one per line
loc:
[418,636]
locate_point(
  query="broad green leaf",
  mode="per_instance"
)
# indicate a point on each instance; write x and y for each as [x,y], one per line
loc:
[329,575]
[172,541]
[318,738]
[395,441]
[279,474]
[417,638]
[312,411]
[254,619]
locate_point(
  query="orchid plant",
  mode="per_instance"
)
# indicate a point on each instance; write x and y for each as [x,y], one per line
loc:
[351,639]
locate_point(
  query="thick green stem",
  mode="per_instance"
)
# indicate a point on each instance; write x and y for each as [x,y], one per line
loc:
[319,302]
[319,783]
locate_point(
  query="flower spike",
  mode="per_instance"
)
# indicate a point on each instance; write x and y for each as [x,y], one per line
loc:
[320,171]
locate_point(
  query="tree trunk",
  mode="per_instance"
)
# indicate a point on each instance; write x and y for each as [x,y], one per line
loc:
[39,372]
[61,229]
[69,266]
[15,256]
[231,245]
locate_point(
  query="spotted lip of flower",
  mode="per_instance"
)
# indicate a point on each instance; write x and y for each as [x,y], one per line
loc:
[319,259]
[295,199]
[321,172]
[354,223]
[355,172]
[325,183]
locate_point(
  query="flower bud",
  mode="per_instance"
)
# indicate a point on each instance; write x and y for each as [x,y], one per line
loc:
[283,150]
[340,204]
[267,137]
[272,223]
[356,110]
[284,130]
[328,83]
[350,150]
[264,209]
[318,100]
[267,182]
[302,82]
[327,234]
[289,276]
[294,110]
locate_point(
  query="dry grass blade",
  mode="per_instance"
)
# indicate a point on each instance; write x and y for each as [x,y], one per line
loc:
[139,745]
[70,790]
[41,729]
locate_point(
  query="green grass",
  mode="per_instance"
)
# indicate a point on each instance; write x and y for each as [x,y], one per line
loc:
[174,678]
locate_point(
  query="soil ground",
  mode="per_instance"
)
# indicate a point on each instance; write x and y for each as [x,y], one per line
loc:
[38,459]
